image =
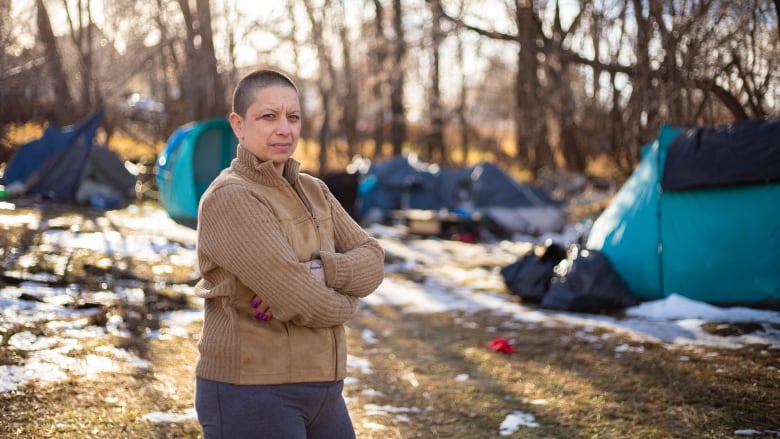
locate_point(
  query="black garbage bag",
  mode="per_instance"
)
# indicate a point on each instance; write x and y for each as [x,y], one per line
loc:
[587,282]
[529,276]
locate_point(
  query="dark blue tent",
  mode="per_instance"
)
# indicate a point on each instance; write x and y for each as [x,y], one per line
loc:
[57,165]
[399,183]
[406,183]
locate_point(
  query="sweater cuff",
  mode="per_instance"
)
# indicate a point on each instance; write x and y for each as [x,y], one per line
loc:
[337,275]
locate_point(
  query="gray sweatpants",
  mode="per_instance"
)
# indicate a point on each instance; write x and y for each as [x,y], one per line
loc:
[289,411]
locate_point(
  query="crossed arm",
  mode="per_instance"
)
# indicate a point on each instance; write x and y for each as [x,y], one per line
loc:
[250,244]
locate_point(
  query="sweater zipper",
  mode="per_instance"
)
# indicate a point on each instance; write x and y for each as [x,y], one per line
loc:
[316,221]
[307,206]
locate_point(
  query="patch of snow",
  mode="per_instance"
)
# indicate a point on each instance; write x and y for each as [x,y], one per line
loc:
[360,364]
[752,432]
[351,381]
[652,321]
[515,420]
[171,417]
[535,401]
[387,410]
[676,307]
[371,392]
[373,426]
[369,337]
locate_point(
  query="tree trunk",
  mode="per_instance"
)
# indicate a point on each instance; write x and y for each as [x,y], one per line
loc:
[214,90]
[306,122]
[436,135]
[325,81]
[202,89]
[533,147]
[465,137]
[81,35]
[398,123]
[349,101]
[378,74]
[64,110]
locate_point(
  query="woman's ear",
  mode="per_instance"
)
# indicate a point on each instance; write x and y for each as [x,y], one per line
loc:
[237,123]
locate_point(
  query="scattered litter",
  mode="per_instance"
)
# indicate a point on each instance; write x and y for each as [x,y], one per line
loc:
[501,344]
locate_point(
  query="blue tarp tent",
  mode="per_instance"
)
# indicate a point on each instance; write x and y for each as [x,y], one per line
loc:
[700,216]
[65,165]
[406,183]
[193,157]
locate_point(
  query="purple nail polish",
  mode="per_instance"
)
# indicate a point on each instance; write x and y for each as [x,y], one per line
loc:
[257,314]
[254,303]
[265,317]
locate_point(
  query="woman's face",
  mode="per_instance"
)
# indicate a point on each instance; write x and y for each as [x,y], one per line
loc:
[271,126]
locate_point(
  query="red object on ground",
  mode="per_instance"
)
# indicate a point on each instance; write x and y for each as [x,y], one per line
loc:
[501,344]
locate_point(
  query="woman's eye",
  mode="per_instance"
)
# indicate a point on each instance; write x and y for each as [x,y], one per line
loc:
[294,117]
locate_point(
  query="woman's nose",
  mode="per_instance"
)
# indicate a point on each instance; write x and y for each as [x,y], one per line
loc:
[283,127]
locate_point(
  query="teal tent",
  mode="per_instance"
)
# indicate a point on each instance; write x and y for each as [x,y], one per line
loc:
[193,156]
[700,216]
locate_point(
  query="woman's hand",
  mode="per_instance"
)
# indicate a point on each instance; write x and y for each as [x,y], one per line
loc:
[263,312]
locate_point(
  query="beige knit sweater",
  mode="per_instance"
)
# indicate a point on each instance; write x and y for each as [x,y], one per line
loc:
[254,229]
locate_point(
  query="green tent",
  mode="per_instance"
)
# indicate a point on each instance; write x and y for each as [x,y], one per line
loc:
[193,157]
[700,216]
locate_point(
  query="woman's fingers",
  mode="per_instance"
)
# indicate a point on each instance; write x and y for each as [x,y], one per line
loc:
[261,310]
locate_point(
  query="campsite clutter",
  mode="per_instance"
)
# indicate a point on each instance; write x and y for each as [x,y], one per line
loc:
[430,199]
[698,217]
[481,198]
[71,281]
[66,165]
[698,204]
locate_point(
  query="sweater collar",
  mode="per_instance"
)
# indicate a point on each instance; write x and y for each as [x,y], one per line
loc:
[263,172]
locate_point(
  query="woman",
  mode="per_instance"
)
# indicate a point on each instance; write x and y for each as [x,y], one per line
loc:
[283,266]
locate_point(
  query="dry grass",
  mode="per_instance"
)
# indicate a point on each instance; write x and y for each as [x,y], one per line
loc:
[587,389]
[571,379]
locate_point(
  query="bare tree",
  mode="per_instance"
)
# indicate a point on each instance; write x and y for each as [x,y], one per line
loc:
[64,111]
[685,63]
[562,106]
[203,91]
[325,79]
[349,96]
[82,36]
[5,39]
[435,138]
[397,109]
[380,52]
[463,99]
[531,130]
